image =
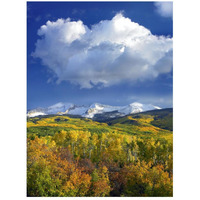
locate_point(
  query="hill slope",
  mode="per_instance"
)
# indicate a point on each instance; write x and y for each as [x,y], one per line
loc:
[72,156]
[157,122]
[162,118]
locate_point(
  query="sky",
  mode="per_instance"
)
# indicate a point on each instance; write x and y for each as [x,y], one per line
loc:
[112,53]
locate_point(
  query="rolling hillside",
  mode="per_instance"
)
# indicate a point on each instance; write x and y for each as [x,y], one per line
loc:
[69,155]
[157,122]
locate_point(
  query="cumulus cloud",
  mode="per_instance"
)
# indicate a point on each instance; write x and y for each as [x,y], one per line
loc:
[165,9]
[108,53]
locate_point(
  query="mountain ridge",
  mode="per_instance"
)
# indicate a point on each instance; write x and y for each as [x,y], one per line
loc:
[91,110]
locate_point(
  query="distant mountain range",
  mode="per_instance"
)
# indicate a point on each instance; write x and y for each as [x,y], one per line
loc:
[93,110]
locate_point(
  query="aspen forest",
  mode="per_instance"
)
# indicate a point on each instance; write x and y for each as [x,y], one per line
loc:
[131,156]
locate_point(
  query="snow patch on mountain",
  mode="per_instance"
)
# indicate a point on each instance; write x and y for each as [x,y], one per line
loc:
[59,107]
[136,108]
[34,114]
[97,108]
[78,110]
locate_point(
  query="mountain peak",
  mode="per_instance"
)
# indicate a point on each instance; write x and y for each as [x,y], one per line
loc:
[136,104]
[90,111]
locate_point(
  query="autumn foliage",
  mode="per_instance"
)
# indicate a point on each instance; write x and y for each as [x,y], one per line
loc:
[80,163]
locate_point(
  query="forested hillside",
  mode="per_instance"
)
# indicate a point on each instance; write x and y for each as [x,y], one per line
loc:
[127,156]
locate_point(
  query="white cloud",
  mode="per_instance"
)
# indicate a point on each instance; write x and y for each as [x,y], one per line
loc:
[111,52]
[165,9]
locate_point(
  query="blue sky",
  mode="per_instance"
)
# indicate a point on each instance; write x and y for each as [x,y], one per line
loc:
[74,61]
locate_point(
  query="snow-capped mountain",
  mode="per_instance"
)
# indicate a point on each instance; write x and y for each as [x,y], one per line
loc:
[54,109]
[92,110]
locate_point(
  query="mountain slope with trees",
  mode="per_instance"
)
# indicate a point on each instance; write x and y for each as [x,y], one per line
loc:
[127,156]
